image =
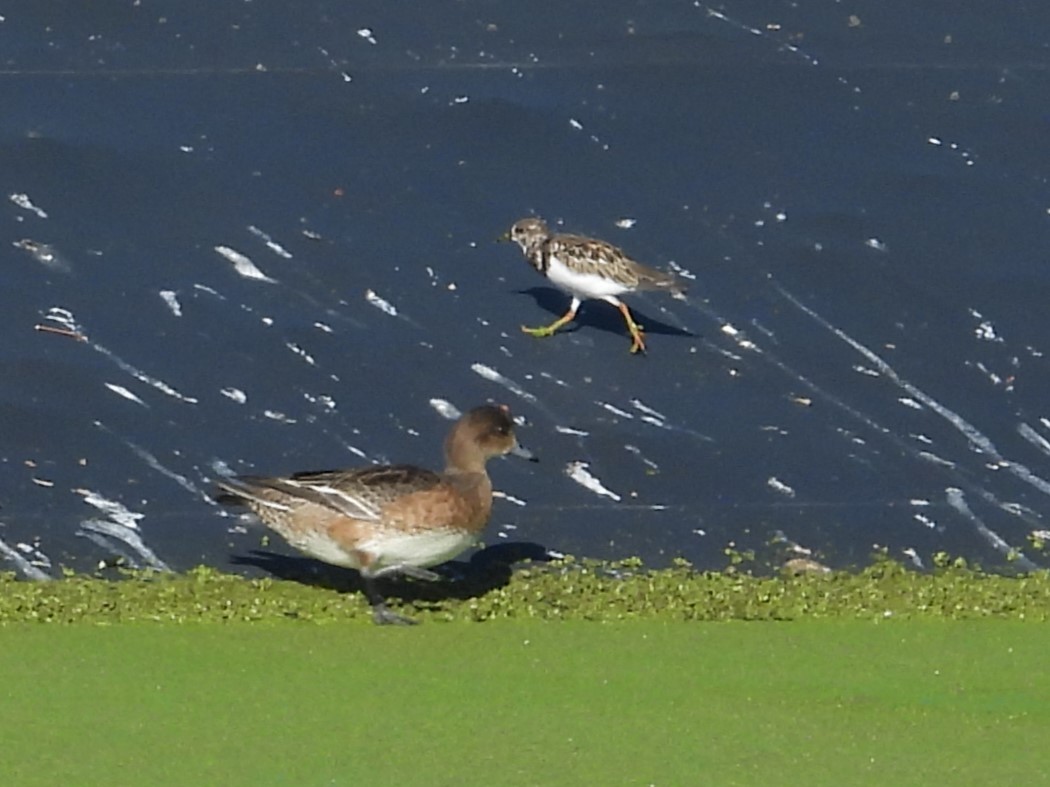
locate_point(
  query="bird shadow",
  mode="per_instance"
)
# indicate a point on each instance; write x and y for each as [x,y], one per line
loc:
[596,314]
[486,570]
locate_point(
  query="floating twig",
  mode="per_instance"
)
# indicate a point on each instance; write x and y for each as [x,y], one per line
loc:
[60,331]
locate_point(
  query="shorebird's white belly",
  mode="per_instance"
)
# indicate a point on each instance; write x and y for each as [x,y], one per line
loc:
[582,285]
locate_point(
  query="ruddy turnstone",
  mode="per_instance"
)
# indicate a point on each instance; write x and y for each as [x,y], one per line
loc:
[587,268]
[383,520]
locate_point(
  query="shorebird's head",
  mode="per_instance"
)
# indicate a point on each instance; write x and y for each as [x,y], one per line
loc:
[528,232]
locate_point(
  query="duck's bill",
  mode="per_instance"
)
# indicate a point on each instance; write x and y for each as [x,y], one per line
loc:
[504,237]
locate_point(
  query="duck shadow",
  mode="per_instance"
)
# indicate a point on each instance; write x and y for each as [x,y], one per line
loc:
[486,570]
[595,314]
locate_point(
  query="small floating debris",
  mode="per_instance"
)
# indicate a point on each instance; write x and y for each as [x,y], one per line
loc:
[804,565]
[72,334]
[45,254]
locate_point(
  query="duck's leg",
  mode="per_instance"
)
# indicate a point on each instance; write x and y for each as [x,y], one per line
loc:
[381,613]
[409,571]
[547,330]
[637,342]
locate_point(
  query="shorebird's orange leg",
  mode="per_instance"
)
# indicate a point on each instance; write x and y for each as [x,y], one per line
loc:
[547,330]
[637,342]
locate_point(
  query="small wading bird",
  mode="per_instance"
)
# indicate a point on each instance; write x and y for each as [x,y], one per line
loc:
[587,269]
[394,519]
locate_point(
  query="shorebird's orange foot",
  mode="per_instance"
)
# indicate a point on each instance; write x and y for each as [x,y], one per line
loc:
[546,330]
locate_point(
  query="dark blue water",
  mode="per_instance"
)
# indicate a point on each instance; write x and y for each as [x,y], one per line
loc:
[861,208]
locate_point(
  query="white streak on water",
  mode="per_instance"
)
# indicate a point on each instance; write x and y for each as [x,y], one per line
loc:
[491,374]
[780,44]
[579,473]
[120,390]
[28,570]
[645,460]
[777,485]
[125,535]
[383,305]
[445,409]
[957,501]
[111,508]
[934,459]
[640,405]
[925,520]
[64,317]
[555,380]
[570,430]
[272,245]
[243,265]
[295,348]
[978,441]
[23,201]
[172,302]
[739,337]
[275,415]
[509,498]
[1036,439]
[155,464]
[321,400]
[914,557]
[236,394]
[210,291]
[685,273]
[615,410]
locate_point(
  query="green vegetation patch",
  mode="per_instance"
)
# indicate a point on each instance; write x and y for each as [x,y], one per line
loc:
[526,703]
[564,591]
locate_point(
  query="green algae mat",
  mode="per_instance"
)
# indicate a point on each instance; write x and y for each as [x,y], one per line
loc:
[529,703]
[573,676]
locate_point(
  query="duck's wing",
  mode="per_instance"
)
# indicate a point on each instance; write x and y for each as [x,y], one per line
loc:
[360,493]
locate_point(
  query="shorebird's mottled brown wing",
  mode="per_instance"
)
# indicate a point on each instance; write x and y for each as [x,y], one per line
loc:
[593,256]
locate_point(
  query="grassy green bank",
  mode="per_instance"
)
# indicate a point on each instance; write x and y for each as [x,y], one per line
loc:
[566,591]
[573,674]
[526,703]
